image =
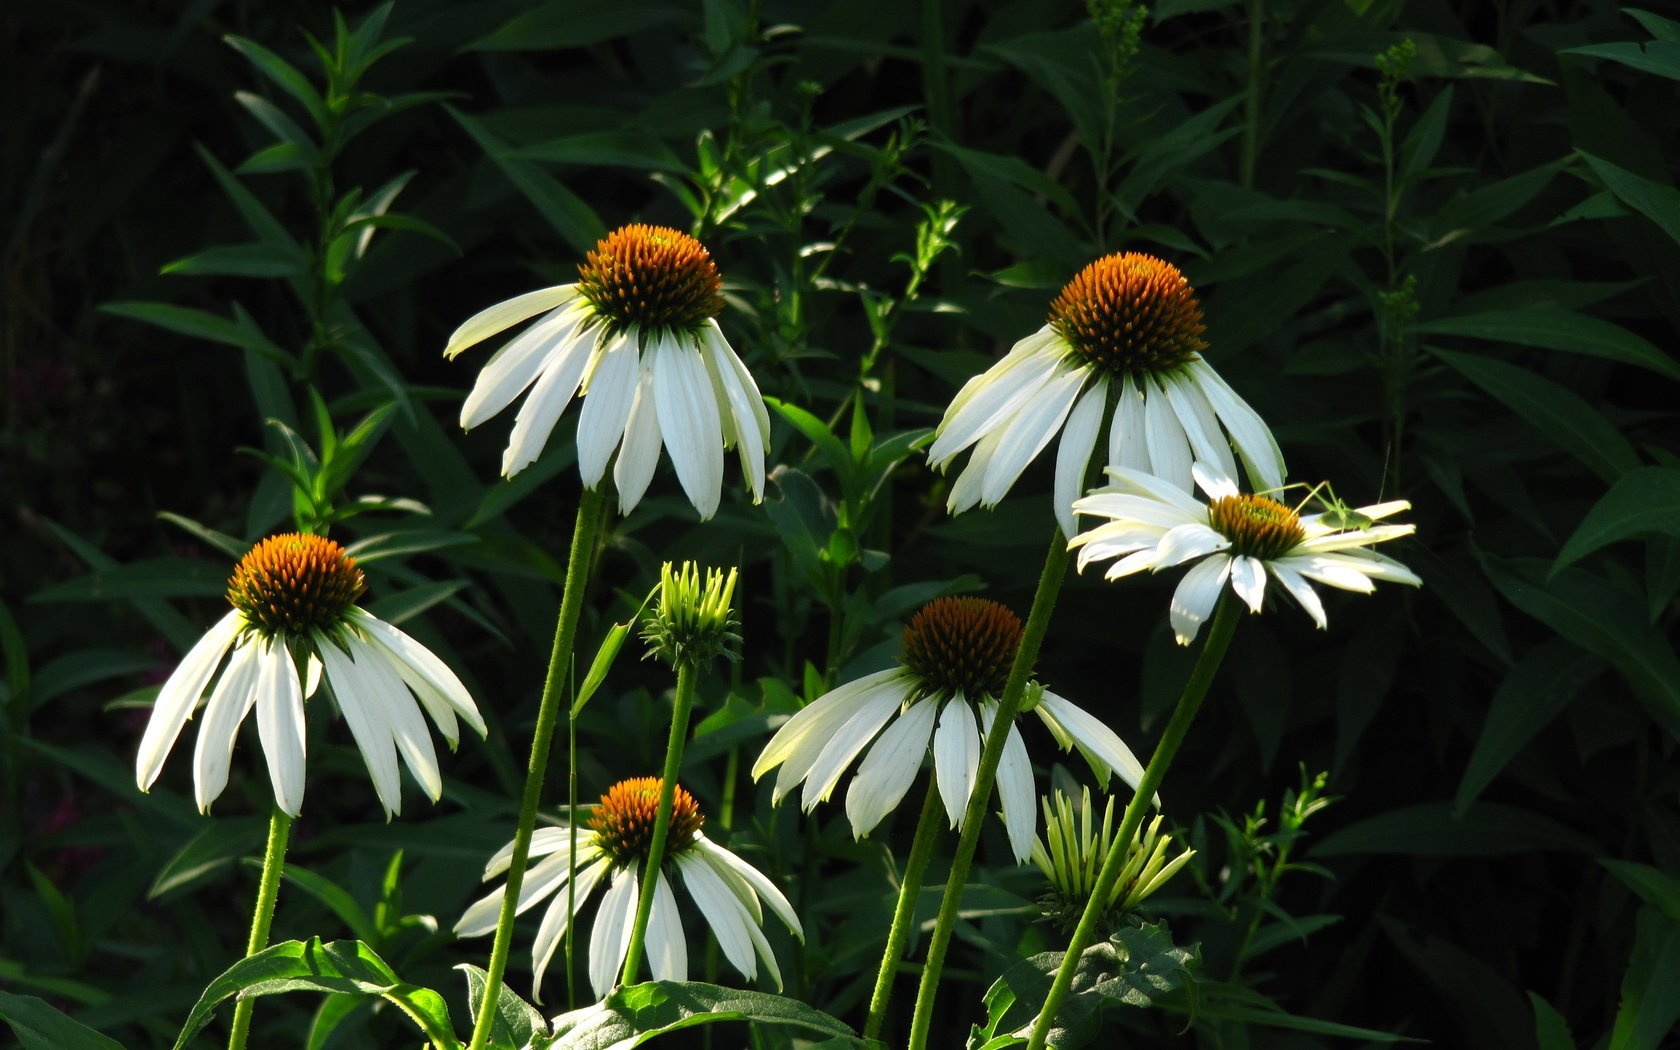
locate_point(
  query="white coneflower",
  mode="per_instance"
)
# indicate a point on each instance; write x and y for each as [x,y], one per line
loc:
[1240,538]
[293,598]
[957,655]
[614,849]
[1126,329]
[636,339]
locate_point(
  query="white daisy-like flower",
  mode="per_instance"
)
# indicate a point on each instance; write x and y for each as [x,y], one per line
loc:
[1127,331]
[1239,538]
[293,598]
[613,850]
[635,338]
[957,655]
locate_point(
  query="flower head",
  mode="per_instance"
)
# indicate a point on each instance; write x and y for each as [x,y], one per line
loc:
[957,656]
[293,599]
[636,338]
[693,621]
[1125,334]
[613,848]
[1072,852]
[1238,537]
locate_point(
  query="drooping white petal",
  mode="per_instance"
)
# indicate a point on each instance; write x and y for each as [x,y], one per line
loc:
[688,416]
[988,401]
[229,703]
[1248,579]
[368,725]
[1338,571]
[543,842]
[280,724]
[606,408]
[1301,591]
[640,452]
[1128,441]
[385,687]
[1029,431]
[555,921]
[1015,787]
[179,696]
[873,711]
[817,721]
[504,315]
[1353,538]
[1197,592]
[723,860]
[1210,480]
[1073,455]
[890,767]
[966,490]
[1102,748]
[1169,449]
[419,665]
[956,756]
[1144,483]
[518,364]
[1249,434]
[667,947]
[311,675]
[722,910]
[1184,542]
[745,406]
[609,938]
[548,398]
[1200,422]
[541,879]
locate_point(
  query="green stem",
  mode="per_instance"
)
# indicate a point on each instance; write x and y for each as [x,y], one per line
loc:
[904,915]
[1189,702]
[262,915]
[589,516]
[1049,586]
[662,819]
[571,847]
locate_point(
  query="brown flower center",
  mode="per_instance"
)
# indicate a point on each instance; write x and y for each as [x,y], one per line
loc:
[652,276]
[1256,526]
[1130,312]
[294,583]
[623,822]
[962,645]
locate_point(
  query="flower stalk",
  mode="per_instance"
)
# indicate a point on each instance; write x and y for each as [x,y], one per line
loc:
[578,565]
[686,672]
[262,915]
[1189,702]
[904,913]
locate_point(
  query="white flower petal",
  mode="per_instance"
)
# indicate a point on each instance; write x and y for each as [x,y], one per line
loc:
[606,408]
[666,945]
[1300,590]
[1184,542]
[688,416]
[1337,541]
[1102,748]
[280,724]
[368,724]
[179,696]
[229,703]
[988,401]
[555,921]
[956,756]
[1029,431]
[504,315]
[541,879]
[1073,455]
[1169,449]
[887,772]
[723,860]
[873,711]
[1200,422]
[518,364]
[745,404]
[1128,442]
[1015,787]
[965,491]
[401,713]
[609,938]
[1196,596]
[1340,571]
[1209,479]
[722,910]
[419,665]
[815,723]
[1249,434]
[548,398]
[1248,579]
[640,453]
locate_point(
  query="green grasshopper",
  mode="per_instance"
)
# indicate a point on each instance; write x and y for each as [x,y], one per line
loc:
[1335,513]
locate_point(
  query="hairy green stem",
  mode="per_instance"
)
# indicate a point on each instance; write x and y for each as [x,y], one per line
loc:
[262,914]
[1189,702]
[1044,601]
[590,507]
[686,673]
[904,915]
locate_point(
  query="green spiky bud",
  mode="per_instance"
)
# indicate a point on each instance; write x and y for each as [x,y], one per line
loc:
[1072,850]
[694,619]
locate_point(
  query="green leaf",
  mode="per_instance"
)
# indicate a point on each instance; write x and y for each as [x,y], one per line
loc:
[575,222]
[1657,888]
[40,1027]
[1551,1031]
[159,613]
[1556,411]
[328,892]
[1658,26]
[151,578]
[1643,502]
[341,967]
[833,449]
[1655,201]
[216,846]
[235,260]
[282,73]
[1649,1006]
[1602,619]
[200,325]
[598,667]
[1556,330]
[1485,829]
[1660,57]
[634,1015]
[1536,691]
[517,1022]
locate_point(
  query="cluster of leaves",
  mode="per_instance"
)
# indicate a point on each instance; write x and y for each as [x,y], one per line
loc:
[1438,251]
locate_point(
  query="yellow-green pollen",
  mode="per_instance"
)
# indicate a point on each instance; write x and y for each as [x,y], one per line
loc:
[1256,526]
[651,276]
[1130,312]
[623,822]
[962,645]
[295,583]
